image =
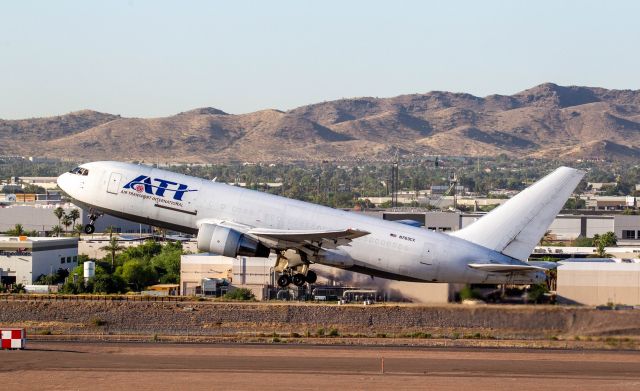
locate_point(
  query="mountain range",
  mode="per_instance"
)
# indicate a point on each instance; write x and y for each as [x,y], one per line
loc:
[546,121]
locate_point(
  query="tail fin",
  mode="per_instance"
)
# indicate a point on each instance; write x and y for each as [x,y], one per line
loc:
[516,227]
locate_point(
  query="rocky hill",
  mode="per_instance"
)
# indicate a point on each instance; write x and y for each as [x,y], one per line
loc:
[545,121]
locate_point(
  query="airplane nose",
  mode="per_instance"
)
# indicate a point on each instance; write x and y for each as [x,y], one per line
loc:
[63,182]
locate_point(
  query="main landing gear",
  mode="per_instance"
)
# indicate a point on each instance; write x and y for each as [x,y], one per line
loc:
[298,279]
[90,228]
[294,266]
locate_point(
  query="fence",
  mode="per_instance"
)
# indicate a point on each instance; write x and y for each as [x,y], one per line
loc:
[45,297]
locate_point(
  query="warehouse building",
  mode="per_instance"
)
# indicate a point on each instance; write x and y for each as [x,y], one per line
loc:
[24,259]
[202,273]
[35,216]
[563,227]
[599,283]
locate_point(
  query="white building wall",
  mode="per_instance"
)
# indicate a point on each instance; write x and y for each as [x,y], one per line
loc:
[253,271]
[27,268]
[566,228]
[46,262]
[595,283]
[599,226]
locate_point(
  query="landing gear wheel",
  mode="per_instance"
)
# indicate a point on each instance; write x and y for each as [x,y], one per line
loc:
[299,279]
[89,229]
[312,277]
[284,280]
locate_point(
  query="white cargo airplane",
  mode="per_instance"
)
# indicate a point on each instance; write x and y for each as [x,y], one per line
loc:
[234,221]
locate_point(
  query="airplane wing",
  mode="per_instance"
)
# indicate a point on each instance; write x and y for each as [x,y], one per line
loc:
[328,239]
[505,268]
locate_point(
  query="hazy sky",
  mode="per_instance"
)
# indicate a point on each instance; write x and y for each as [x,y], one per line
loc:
[156,58]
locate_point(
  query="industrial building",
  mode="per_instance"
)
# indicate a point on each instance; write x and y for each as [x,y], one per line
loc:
[598,283]
[564,227]
[209,274]
[202,272]
[24,259]
[38,216]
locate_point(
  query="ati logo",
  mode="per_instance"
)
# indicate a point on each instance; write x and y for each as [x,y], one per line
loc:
[146,184]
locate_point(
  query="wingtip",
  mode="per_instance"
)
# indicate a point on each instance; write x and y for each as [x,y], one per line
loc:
[572,170]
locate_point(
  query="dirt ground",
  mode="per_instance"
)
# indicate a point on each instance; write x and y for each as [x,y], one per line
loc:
[148,366]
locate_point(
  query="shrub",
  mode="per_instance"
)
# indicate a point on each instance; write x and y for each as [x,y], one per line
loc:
[98,322]
[240,294]
[467,293]
[334,333]
[537,293]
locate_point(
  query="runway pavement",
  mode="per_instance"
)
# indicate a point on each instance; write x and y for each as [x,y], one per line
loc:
[147,366]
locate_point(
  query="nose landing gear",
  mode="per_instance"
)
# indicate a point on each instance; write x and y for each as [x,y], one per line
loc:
[90,228]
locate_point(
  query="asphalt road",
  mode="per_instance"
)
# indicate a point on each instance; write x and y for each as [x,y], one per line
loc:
[99,366]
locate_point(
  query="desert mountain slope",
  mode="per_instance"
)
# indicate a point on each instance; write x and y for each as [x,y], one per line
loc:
[544,121]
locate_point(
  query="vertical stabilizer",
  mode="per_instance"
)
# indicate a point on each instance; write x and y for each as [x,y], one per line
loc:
[515,227]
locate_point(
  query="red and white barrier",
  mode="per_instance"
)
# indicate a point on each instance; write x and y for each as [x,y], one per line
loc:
[13,338]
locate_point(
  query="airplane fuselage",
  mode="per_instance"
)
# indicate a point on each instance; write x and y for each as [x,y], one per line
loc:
[179,202]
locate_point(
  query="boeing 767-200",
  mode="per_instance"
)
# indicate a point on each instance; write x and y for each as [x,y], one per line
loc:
[233,221]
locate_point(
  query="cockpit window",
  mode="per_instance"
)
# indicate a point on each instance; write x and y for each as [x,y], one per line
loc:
[80,171]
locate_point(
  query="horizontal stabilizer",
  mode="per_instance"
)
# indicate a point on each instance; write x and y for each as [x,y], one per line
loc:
[504,268]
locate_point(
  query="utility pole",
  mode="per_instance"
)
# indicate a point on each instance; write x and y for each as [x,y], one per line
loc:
[394,183]
[453,182]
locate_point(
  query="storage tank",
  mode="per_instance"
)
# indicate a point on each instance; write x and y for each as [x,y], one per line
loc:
[89,270]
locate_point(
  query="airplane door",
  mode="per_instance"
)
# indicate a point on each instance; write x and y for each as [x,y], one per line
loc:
[114,183]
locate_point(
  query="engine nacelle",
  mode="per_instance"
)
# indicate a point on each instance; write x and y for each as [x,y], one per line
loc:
[225,241]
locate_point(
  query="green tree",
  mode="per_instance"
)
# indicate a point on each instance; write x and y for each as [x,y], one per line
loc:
[56,230]
[74,215]
[167,263]
[110,230]
[17,230]
[52,279]
[78,229]
[18,288]
[108,283]
[66,221]
[608,239]
[34,189]
[605,240]
[59,213]
[113,247]
[137,274]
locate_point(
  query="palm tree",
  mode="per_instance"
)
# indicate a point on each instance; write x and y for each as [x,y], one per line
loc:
[17,230]
[113,247]
[66,221]
[78,229]
[110,230]
[59,212]
[74,215]
[56,230]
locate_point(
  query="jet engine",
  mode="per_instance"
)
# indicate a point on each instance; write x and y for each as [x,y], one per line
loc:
[213,238]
